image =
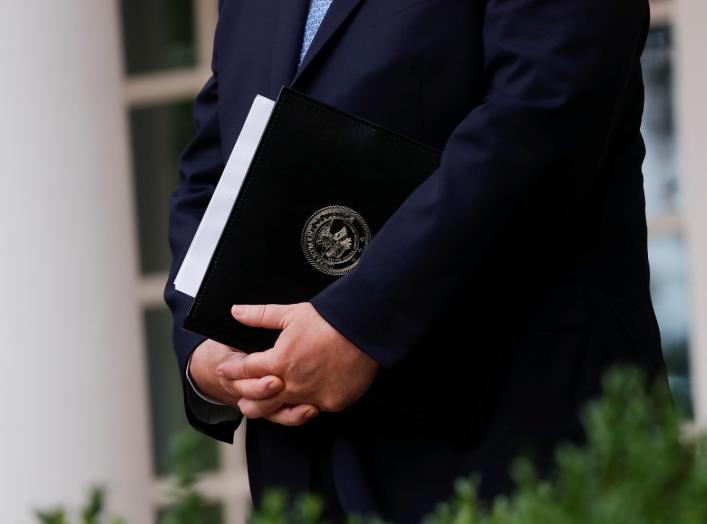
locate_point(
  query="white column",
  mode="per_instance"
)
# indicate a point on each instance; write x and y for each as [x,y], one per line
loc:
[691,97]
[72,377]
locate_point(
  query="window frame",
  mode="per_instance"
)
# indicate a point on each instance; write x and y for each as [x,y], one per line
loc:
[227,485]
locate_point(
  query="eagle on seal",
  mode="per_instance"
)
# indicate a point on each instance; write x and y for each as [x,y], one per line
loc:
[333,245]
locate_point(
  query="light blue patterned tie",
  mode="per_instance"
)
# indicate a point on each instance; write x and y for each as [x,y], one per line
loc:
[317,10]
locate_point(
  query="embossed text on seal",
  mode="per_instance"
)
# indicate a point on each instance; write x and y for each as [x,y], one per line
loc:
[334,238]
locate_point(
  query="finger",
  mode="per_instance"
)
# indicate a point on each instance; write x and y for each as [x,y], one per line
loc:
[258,388]
[271,316]
[293,415]
[260,408]
[255,365]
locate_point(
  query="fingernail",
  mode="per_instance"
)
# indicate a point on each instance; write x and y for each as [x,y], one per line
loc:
[310,413]
[271,385]
[220,372]
[238,311]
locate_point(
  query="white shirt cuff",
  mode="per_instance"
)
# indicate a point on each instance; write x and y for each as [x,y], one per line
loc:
[196,390]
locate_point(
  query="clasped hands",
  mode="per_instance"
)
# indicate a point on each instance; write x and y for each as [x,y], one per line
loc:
[311,367]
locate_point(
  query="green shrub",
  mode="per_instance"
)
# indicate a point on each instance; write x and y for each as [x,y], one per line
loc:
[93,512]
[637,467]
[188,457]
[187,453]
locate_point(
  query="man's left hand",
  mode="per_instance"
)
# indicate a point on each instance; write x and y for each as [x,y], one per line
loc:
[318,365]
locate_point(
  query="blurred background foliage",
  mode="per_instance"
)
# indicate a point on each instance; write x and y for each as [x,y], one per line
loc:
[639,464]
[189,458]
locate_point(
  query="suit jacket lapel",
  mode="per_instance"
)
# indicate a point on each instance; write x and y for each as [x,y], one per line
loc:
[337,14]
[289,30]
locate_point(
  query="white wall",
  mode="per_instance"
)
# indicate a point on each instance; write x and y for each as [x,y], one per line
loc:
[690,21]
[72,383]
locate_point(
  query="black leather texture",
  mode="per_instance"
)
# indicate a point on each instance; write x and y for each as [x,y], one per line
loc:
[311,156]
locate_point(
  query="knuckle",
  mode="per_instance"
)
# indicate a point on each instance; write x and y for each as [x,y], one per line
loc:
[278,366]
[254,390]
[226,386]
[239,389]
[295,390]
[249,410]
[260,313]
[248,369]
[261,391]
[245,367]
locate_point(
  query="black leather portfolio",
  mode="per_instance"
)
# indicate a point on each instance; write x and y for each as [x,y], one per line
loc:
[320,185]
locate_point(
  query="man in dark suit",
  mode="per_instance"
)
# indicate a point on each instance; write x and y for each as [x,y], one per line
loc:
[484,313]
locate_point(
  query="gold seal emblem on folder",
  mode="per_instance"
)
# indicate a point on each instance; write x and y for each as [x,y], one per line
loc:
[334,238]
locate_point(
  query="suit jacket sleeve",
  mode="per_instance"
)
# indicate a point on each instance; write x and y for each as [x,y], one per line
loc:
[200,168]
[556,74]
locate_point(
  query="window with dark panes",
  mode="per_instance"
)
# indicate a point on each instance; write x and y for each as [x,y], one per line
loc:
[664,209]
[159,133]
[166,47]
[158,35]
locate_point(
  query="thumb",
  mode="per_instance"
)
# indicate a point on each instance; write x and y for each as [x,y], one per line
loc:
[255,365]
[271,316]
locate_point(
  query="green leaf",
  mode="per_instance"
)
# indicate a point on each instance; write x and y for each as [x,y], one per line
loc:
[94,507]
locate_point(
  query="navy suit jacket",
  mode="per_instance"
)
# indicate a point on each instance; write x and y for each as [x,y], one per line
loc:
[504,286]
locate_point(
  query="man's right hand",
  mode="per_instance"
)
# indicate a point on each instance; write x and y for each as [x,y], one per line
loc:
[208,356]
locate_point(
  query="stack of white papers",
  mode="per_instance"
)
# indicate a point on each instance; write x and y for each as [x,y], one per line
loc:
[203,245]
